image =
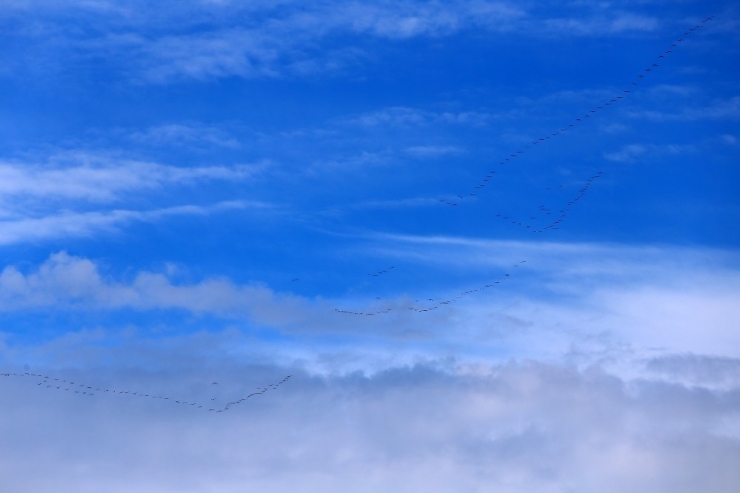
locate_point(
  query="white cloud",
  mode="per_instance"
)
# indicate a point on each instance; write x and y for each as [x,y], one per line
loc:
[68,282]
[665,298]
[71,193]
[80,175]
[22,229]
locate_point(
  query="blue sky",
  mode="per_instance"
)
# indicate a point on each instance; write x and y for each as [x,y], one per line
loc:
[493,243]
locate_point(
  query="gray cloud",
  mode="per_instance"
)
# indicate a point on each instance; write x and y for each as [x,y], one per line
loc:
[433,427]
[697,370]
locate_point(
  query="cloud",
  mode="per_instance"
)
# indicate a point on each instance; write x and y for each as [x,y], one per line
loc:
[634,152]
[186,134]
[66,282]
[226,53]
[353,162]
[72,193]
[166,43]
[266,39]
[392,204]
[727,109]
[431,151]
[578,262]
[85,176]
[628,153]
[598,26]
[84,224]
[433,427]
[405,116]
[695,370]
[638,297]
[594,303]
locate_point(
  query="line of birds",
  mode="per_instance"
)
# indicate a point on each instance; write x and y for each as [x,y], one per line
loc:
[576,121]
[62,384]
[381,272]
[435,305]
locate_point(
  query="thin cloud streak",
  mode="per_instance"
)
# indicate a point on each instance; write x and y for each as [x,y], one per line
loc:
[102,178]
[84,224]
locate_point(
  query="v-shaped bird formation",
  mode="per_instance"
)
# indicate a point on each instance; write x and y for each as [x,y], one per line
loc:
[546,220]
[553,219]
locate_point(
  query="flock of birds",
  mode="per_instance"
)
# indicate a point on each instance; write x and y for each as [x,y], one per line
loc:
[381,272]
[529,225]
[65,385]
[554,224]
[453,202]
[60,384]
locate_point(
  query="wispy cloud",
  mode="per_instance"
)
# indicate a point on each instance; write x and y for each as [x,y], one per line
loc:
[728,109]
[95,177]
[613,24]
[432,151]
[75,192]
[407,116]
[58,225]
[186,134]
[271,39]
[634,152]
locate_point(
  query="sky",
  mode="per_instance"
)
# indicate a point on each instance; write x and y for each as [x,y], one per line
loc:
[408,246]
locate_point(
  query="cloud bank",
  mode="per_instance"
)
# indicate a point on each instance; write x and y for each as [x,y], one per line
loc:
[435,427]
